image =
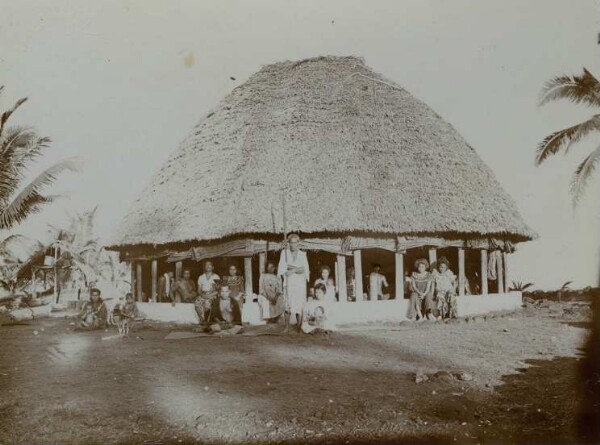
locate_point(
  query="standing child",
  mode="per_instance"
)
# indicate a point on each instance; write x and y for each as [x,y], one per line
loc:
[328,282]
[128,312]
[445,289]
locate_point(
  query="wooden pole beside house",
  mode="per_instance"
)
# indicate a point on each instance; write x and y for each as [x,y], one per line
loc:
[432,256]
[154,280]
[133,279]
[178,269]
[262,263]
[499,272]
[56,296]
[33,282]
[248,276]
[342,279]
[461,271]
[484,272]
[506,271]
[138,281]
[399,265]
[358,275]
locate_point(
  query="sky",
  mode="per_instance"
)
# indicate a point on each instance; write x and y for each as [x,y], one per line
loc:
[119,83]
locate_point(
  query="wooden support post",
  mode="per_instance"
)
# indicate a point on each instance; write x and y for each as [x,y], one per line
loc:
[178,270]
[133,279]
[499,272]
[341,279]
[432,256]
[262,263]
[484,272]
[56,273]
[33,282]
[154,280]
[248,276]
[400,276]
[461,271]
[138,281]
[506,271]
[358,275]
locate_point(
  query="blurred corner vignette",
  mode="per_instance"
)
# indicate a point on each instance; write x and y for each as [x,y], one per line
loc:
[266,222]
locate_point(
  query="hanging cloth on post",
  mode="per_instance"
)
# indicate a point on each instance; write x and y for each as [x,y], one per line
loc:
[492,260]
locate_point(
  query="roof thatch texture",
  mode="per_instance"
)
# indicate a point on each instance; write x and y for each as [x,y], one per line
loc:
[353,152]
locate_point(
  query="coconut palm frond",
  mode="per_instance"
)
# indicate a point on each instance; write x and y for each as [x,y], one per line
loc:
[7,241]
[558,140]
[519,286]
[584,88]
[566,285]
[29,200]
[582,175]
[7,114]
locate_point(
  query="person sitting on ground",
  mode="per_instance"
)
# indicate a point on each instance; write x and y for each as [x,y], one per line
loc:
[445,289]
[317,312]
[184,289]
[235,283]
[328,282]
[377,282]
[208,290]
[225,314]
[421,298]
[94,314]
[271,294]
[125,314]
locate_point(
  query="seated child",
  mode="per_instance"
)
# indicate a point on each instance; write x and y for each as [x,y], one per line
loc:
[445,289]
[317,313]
[124,314]
[326,280]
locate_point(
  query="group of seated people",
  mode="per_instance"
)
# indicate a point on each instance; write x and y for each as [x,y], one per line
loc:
[219,301]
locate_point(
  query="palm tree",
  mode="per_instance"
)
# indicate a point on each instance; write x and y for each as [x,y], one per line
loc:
[582,89]
[19,148]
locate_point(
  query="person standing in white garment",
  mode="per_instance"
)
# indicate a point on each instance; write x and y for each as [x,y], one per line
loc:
[293,267]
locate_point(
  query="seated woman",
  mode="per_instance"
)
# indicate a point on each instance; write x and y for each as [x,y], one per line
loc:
[421,297]
[225,313]
[94,314]
[271,294]
[235,283]
[445,289]
[317,316]
[326,280]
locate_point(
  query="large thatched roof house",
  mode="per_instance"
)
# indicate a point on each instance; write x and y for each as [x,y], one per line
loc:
[361,166]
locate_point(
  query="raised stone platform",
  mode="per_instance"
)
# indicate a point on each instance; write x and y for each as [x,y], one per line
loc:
[355,312]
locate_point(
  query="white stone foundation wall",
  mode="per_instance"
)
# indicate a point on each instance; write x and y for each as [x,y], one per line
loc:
[355,312]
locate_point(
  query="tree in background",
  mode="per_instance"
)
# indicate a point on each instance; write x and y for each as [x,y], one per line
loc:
[582,89]
[20,147]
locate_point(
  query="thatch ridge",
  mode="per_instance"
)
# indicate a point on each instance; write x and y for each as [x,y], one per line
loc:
[353,151]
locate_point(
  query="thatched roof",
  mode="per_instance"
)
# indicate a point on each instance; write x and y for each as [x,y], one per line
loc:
[354,152]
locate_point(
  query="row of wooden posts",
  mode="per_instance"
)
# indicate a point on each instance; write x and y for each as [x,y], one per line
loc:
[340,274]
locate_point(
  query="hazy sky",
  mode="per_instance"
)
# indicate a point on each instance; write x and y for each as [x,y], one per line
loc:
[120,83]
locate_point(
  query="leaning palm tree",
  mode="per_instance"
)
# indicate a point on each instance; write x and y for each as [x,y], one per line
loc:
[582,89]
[20,147]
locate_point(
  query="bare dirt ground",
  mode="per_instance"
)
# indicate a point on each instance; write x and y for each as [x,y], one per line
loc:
[356,385]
